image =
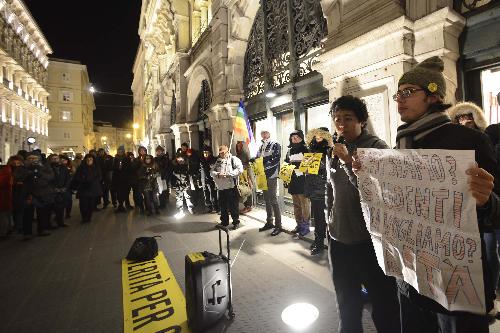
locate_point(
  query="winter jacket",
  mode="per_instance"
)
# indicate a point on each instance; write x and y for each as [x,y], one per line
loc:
[270,152]
[206,165]
[463,108]
[19,187]
[180,179]
[295,156]
[231,167]
[147,177]
[89,181]
[121,173]
[164,167]
[107,171]
[40,183]
[62,180]
[456,137]
[345,218]
[315,185]
[6,181]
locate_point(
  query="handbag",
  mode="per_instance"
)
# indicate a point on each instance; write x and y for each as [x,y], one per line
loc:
[143,249]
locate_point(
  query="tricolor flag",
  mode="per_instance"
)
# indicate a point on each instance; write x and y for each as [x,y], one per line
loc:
[242,128]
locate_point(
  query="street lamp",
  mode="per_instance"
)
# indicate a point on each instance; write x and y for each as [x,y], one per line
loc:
[104,138]
[93,91]
[135,126]
[128,135]
[31,141]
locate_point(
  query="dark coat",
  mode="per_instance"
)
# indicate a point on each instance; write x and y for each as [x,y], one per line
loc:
[164,166]
[456,137]
[62,180]
[40,183]
[121,173]
[5,188]
[19,187]
[296,185]
[89,181]
[147,177]
[180,175]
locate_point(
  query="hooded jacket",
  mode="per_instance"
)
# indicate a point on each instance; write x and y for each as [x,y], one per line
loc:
[294,156]
[466,108]
[315,185]
[345,218]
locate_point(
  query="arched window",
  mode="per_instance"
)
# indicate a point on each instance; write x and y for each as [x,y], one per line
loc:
[278,54]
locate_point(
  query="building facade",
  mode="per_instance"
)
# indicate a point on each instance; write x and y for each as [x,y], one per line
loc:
[23,78]
[72,107]
[197,59]
[110,138]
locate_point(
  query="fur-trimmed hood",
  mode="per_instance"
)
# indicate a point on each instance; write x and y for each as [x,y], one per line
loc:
[319,132]
[465,108]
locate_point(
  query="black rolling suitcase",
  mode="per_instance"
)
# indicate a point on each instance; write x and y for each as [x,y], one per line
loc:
[208,286]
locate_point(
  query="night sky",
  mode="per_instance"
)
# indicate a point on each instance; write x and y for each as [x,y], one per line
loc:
[100,34]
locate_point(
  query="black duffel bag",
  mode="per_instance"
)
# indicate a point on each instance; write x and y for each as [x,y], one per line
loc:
[143,249]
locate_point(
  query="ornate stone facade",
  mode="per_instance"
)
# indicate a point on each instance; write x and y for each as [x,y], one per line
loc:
[309,52]
[23,77]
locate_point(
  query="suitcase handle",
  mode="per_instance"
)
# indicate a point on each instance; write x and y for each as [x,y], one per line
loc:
[222,228]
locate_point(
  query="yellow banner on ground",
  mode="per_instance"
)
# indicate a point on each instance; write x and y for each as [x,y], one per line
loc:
[286,172]
[153,302]
[260,174]
[311,162]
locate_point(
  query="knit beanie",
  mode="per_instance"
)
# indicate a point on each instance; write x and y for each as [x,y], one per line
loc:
[428,74]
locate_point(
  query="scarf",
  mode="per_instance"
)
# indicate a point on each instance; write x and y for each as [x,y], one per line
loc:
[429,122]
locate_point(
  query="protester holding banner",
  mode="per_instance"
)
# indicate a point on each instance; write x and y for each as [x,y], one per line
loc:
[420,96]
[470,115]
[301,205]
[318,140]
[270,151]
[352,257]
[226,172]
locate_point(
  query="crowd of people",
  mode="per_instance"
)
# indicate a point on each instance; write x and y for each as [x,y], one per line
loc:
[32,185]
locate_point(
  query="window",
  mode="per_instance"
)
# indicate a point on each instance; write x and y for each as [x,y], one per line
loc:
[67,96]
[65,116]
[318,116]
[66,135]
[490,81]
[65,77]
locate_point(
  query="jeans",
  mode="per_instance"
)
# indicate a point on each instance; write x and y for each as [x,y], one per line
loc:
[492,255]
[353,265]
[17,217]
[318,212]
[301,208]
[138,197]
[87,207]
[228,203]
[151,201]
[272,202]
[163,198]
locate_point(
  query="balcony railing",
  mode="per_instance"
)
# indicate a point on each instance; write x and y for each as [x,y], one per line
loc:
[18,91]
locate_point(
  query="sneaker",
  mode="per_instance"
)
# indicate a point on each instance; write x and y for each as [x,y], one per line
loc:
[304,229]
[317,249]
[276,231]
[120,209]
[267,226]
[236,226]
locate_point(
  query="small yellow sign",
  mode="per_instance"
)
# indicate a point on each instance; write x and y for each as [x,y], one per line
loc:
[260,174]
[286,172]
[311,163]
[196,256]
[153,302]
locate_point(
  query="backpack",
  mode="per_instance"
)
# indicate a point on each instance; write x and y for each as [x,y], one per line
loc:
[143,249]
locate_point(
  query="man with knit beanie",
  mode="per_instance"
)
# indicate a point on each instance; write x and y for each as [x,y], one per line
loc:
[427,126]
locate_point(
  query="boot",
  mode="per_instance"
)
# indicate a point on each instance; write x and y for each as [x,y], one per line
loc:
[267,226]
[303,229]
[317,248]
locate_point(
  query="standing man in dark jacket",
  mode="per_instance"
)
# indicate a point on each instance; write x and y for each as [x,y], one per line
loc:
[19,190]
[270,152]
[121,178]
[353,262]
[88,178]
[319,140]
[207,182]
[162,161]
[40,184]
[301,204]
[62,181]
[426,126]
[181,180]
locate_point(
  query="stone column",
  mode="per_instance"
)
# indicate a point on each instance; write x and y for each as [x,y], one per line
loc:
[196,26]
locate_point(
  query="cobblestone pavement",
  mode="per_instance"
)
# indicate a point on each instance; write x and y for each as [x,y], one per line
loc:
[70,281]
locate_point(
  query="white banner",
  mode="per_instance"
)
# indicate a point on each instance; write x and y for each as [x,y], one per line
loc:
[422,219]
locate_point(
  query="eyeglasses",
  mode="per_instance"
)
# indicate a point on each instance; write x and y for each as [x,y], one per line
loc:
[467,116]
[405,93]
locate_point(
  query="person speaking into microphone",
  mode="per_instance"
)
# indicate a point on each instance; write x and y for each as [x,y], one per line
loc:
[353,262]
